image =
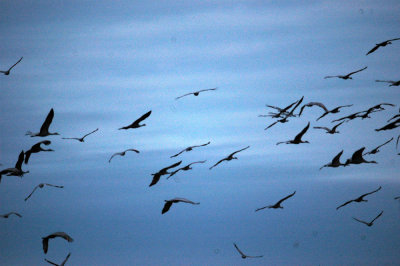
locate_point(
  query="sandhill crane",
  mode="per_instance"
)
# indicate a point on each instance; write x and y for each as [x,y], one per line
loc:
[190,148]
[392,82]
[7,72]
[376,150]
[357,158]
[347,76]
[392,125]
[297,139]
[310,104]
[41,185]
[36,148]
[45,240]
[44,129]
[244,256]
[135,123]
[229,157]
[287,114]
[185,168]
[334,110]
[359,199]
[62,263]
[278,204]
[330,130]
[335,161]
[122,153]
[381,44]
[9,214]
[196,93]
[168,203]
[370,223]
[83,138]
[164,171]
[16,171]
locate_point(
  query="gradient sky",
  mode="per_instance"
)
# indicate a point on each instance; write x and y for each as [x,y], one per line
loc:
[103,64]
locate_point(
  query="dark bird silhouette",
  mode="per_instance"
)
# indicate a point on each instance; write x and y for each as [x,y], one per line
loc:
[185,168]
[196,93]
[44,130]
[189,149]
[381,44]
[335,161]
[297,139]
[334,110]
[347,76]
[83,138]
[168,203]
[17,170]
[36,148]
[331,130]
[359,199]
[122,153]
[164,171]
[41,185]
[370,223]
[45,240]
[310,104]
[62,263]
[278,204]
[244,256]
[357,158]
[136,124]
[376,150]
[392,125]
[7,72]
[392,82]
[229,157]
[287,114]
[9,214]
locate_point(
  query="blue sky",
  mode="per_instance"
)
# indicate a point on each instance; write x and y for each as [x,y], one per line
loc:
[104,64]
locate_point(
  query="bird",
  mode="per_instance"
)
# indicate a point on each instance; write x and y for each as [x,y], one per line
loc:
[334,110]
[9,214]
[281,111]
[168,203]
[164,171]
[189,149]
[135,123]
[376,150]
[41,185]
[44,129]
[310,104]
[185,168]
[370,223]
[83,138]
[381,44]
[392,82]
[7,72]
[287,114]
[36,148]
[347,76]
[278,204]
[357,158]
[229,157]
[196,93]
[45,240]
[297,139]
[359,199]
[244,256]
[17,170]
[122,153]
[390,126]
[62,263]
[331,130]
[335,161]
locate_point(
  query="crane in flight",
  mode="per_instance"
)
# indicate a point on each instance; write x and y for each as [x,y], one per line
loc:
[168,203]
[196,93]
[297,139]
[278,204]
[369,223]
[381,44]
[44,129]
[36,148]
[45,240]
[335,161]
[17,170]
[136,123]
[189,149]
[122,153]
[229,157]
[41,185]
[347,76]
[244,256]
[164,171]
[359,199]
[83,138]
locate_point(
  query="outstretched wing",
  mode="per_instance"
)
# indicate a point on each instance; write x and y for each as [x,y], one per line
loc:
[361,221]
[344,204]
[171,166]
[233,153]
[21,156]
[237,248]
[220,161]
[379,215]
[51,262]
[177,154]
[213,89]
[143,117]
[50,185]
[262,208]
[351,73]
[44,129]
[132,150]
[184,95]
[31,193]
[115,154]
[15,64]
[205,144]
[328,77]
[300,135]
[325,128]
[366,194]
[90,133]
[166,207]
[285,198]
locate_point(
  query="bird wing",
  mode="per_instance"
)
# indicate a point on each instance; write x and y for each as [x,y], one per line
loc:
[205,144]
[44,129]
[387,40]
[385,143]
[334,128]
[65,260]
[357,154]
[388,81]
[166,207]
[379,215]
[115,154]
[15,64]
[351,73]
[45,244]
[366,194]
[237,248]
[220,161]
[285,198]
[156,178]
[233,153]
[197,162]
[132,150]
[213,89]
[184,200]
[51,262]
[184,95]
[50,185]
[327,77]
[294,108]
[373,49]
[300,135]
[336,159]
[310,104]
[31,193]
[344,204]
[72,138]
[90,133]
[361,221]
[177,154]
[271,125]
[143,117]
[171,166]
[254,256]
[278,108]
[327,129]
[21,156]
[262,208]
[174,172]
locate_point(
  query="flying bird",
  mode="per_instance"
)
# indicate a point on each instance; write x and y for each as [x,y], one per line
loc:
[36,148]
[189,149]
[196,93]
[310,104]
[359,199]
[7,72]
[17,170]
[357,158]
[286,115]
[370,223]
[41,185]
[164,171]
[297,139]
[381,44]
[331,130]
[278,204]
[185,168]
[229,157]
[45,240]
[376,150]
[83,138]
[44,130]
[334,110]
[335,161]
[62,263]
[392,82]
[168,203]
[122,153]
[347,76]
[9,214]
[136,124]
[244,256]
[390,126]
[282,112]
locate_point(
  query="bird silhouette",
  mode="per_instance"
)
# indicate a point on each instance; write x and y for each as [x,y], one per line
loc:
[376,150]
[297,139]
[278,204]
[196,93]
[17,170]
[122,153]
[7,72]
[381,44]
[330,130]
[357,158]
[392,82]
[9,214]
[347,76]
[45,240]
[229,157]
[62,263]
[136,123]
[168,203]
[185,168]
[335,161]
[244,256]
[282,112]
[164,171]
[334,110]
[392,125]
[189,149]
[36,148]
[310,104]
[83,138]
[41,185]
[287,114]
[359,199]
[44,129]
[369,223]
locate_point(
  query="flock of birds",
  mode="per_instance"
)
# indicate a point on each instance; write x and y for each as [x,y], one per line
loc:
[282,115]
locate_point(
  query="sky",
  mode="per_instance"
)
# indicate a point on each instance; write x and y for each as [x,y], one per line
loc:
[103,64]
